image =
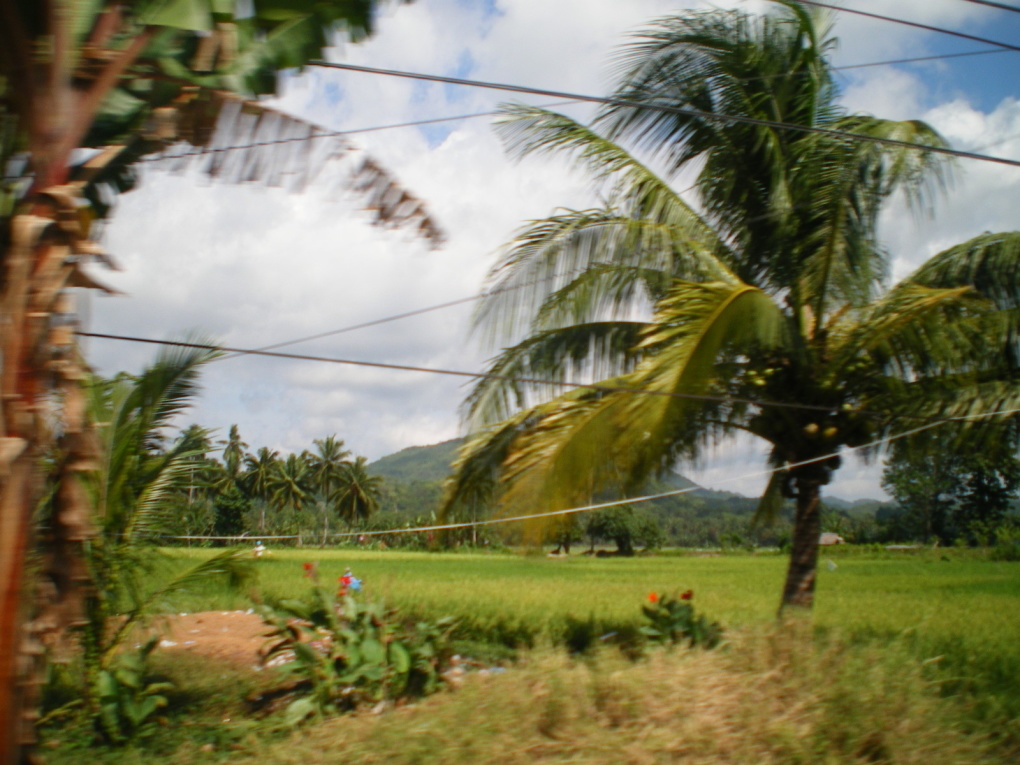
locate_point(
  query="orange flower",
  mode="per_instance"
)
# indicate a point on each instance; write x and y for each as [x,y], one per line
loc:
[653,597]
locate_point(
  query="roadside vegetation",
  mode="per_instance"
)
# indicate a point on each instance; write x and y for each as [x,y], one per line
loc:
[906,644]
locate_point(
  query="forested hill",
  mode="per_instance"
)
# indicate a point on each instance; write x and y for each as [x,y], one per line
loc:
[418,463]
[432,463]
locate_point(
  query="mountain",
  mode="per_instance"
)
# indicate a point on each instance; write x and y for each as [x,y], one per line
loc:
[418,463]
[431,464]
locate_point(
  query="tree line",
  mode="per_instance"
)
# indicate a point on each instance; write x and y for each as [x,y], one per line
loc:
[231,491]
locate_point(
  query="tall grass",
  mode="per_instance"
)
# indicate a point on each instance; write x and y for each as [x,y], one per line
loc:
[764,699]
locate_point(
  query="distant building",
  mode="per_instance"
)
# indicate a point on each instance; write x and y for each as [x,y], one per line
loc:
[829,538]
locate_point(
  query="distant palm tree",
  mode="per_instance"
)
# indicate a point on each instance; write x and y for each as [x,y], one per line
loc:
[775,291]
[291,485]
[358,496]
[260,478]
[233,453]
[327,466]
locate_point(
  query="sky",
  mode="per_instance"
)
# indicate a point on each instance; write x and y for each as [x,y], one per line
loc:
[250,266]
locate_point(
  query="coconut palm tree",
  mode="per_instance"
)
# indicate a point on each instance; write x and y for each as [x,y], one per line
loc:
[260,477]
[328,466]
[358,495]
[233,453]
[765,310]
[291,486]
[126,79]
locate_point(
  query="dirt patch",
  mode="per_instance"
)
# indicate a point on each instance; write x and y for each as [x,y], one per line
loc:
[233,636]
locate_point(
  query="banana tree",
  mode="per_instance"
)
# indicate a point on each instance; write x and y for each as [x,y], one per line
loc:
[125,80]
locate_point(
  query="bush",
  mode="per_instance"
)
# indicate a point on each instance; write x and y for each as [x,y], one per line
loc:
[349,652]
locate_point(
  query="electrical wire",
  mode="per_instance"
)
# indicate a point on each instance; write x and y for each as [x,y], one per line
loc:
[841,134]
[337,133]
[915,24]
[200,151]
[387,319]
[505,378]
[1000,6]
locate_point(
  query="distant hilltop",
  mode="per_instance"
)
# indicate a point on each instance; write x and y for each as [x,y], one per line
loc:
[430,464]
[433,463]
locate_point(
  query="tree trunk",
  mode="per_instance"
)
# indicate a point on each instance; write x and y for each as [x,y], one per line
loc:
[799,590]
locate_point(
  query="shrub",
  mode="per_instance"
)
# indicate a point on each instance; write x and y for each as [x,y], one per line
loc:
[349,652]
[672,620]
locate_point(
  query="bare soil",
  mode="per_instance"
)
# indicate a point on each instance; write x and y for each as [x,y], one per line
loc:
[231,636]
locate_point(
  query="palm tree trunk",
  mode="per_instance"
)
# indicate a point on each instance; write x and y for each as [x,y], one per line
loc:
[799,590]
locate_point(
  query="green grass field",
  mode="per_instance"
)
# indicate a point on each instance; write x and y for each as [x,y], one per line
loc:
[924,595]
[947,618]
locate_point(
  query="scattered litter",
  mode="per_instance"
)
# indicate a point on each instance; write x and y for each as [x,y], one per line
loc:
[831,565]
[167,643]
[188,642]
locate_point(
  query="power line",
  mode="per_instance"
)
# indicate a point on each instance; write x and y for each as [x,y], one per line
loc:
[1000,6]
[842,134]
[918,59]
[914,24]
[493,376]
[387,319]
[436,120]
[201,151]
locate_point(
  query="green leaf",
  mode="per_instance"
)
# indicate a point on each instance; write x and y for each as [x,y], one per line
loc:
[372,651]
[298,711]
[195,15]
[399,657]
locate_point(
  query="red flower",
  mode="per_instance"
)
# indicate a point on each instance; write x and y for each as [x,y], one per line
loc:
[307,566]
[653,597]
[687,595]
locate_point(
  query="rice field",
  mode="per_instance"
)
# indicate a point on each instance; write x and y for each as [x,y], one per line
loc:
[940,603]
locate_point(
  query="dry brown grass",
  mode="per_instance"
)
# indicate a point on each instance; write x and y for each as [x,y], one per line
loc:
[761,699]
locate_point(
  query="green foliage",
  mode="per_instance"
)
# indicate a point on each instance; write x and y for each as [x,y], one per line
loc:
[127,701]
[673,620]
[353,652]
[625,526]
[952,491]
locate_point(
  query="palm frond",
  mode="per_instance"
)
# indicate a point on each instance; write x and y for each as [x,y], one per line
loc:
[917,330]
[990,263]
[695,327]
[552,254]
[233,140]
[634,188]
[772,500]
[565,451]
[577,352]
